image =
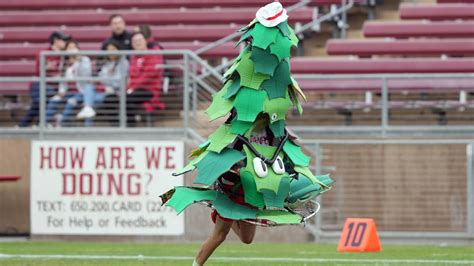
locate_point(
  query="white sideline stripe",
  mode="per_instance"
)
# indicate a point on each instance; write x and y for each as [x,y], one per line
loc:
[234,259]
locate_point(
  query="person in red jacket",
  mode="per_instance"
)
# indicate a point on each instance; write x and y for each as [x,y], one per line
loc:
[144,80]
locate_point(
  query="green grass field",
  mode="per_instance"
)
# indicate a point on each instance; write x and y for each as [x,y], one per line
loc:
[74,253]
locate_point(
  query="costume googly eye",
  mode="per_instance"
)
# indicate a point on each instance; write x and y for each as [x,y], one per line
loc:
[278,166]
[260,167]
[274,117]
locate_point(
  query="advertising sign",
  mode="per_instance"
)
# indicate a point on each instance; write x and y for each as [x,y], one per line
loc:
[104,187]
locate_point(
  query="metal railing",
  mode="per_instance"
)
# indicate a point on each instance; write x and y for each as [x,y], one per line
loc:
[196,90]
[337,13]
[384,126]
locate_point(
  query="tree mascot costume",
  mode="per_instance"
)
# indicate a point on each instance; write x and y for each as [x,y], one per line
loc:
[251,169]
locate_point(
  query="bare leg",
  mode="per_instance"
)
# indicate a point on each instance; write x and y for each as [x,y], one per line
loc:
[221,229]
[244,231]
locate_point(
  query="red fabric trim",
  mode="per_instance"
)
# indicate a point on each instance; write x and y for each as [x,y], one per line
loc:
[276,16]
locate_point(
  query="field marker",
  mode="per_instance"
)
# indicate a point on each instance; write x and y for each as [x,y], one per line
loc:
[360,235]
[234,259]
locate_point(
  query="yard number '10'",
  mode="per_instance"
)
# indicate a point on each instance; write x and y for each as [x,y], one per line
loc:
[354,237]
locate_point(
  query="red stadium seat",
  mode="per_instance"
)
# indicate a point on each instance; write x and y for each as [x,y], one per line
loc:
[95,34]
[115,4]
[15,88]
[308,65]
[453,47]
[454,1]
[154,17]
[437,12]
[360,105]
[17,51]
[374,85]
[9,178]
[455,29]
[17,68]
[225,50]
[14,51]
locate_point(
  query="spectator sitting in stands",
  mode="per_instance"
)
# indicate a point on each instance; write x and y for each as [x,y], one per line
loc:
[146,31]
[79,67]
[54,66]
[151,43]
[115,67]
[145,80]
[119,33]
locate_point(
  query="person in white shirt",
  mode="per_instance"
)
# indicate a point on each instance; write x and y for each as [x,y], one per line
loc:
[79,67]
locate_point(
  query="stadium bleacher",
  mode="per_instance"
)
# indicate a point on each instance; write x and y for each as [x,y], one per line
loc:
[104,4]
[153,16]
[192,24]
[453,1]
[442,29]
[308,65]
[96,33]
[437,12]
[438,38]
[413,47]
[28,51]
[395,85]
[388,65]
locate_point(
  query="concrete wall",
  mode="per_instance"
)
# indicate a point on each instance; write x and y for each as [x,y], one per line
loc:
[14,195]
[404,187]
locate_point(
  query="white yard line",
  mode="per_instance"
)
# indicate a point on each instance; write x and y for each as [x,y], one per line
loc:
[235,259]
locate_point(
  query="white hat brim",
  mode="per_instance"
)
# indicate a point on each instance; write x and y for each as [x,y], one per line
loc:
[271,23]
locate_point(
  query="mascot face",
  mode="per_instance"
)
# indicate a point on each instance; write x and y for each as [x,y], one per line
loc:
[265,183]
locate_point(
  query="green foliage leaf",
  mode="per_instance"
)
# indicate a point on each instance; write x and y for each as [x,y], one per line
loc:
[248,77]
[284,29]
[264,61]
[281,48]
[277,86]
[293,38]
[278,128]
[279,217]
[249,103]
[233,88]
[296,87]
[191,164]
[231,210]
[220,106]
[221,138]
[263,36]
[215,164]
[240,127]
[185,196]
[295,154]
